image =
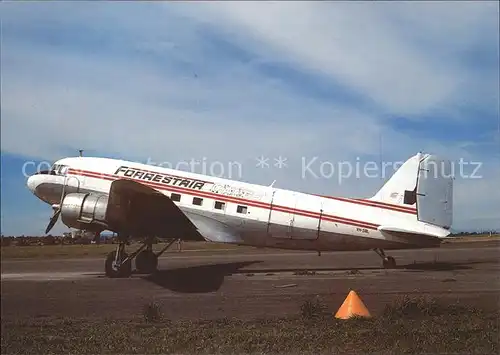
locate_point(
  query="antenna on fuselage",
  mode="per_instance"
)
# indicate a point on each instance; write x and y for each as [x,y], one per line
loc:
[272,183]
[81,152]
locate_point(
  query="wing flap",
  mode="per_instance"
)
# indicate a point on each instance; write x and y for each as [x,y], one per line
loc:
[214,230]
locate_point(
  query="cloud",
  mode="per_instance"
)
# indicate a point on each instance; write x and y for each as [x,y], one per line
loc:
[476,198]
[65,109]
[367,47]
[230,82]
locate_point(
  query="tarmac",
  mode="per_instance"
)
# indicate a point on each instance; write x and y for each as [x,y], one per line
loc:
[254,284]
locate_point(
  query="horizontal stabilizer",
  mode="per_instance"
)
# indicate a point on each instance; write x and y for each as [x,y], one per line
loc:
[410,236]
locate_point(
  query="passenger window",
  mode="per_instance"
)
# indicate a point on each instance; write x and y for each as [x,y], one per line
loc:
[241,209]
[175,197]
[219,205]
[197,201]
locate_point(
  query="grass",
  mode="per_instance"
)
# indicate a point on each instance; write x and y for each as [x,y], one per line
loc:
[97,250]
[410,326]
[475,238]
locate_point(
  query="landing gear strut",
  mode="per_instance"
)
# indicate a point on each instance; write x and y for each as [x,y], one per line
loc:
[119,264]
[387,261]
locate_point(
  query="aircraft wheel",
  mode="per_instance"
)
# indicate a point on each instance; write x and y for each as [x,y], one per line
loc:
[389,262]
[117,271]
[146,262]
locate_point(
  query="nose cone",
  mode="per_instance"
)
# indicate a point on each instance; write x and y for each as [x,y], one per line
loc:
[47,188]
[32,183]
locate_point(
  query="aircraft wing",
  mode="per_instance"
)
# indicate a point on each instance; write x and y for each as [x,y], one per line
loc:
[143,211]
[409,236]
[214,230]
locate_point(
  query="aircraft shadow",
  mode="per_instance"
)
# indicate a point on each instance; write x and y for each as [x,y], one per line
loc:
[441,266]
[196,279]
[421,266]
[209,278]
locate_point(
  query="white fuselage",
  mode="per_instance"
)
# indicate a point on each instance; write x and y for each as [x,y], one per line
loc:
[260,215]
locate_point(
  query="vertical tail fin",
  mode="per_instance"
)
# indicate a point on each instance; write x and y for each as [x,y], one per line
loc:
[424,181]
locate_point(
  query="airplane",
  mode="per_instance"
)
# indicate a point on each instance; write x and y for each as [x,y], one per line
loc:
[413,209]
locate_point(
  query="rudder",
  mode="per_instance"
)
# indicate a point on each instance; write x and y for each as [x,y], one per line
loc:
[435,192]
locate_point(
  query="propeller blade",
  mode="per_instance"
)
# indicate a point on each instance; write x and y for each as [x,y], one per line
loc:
[53,220]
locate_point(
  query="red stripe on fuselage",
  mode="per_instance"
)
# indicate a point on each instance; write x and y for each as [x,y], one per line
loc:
[364,202]
[201,193]
[378,204]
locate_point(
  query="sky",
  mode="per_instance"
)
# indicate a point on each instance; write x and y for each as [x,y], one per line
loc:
[309,86]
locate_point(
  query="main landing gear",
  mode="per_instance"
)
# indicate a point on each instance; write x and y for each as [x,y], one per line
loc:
[119,264]
[387,261]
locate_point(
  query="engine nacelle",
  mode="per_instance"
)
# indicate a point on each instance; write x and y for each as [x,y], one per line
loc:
[85,211]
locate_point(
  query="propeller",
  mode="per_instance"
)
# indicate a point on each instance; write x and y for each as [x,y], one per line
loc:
[57,207]
[53,219]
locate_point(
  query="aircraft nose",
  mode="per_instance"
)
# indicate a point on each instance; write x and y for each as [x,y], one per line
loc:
[32,183]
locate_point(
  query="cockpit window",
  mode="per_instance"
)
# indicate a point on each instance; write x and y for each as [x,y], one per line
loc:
[58,169]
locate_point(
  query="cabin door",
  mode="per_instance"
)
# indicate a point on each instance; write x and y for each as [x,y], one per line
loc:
[322,223]
[307,218]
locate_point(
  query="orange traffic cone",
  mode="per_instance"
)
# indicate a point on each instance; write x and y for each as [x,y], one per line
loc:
[352,306]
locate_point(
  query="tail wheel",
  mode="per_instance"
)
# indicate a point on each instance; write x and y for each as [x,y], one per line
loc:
[389,262]
[121,269]
[146,262]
